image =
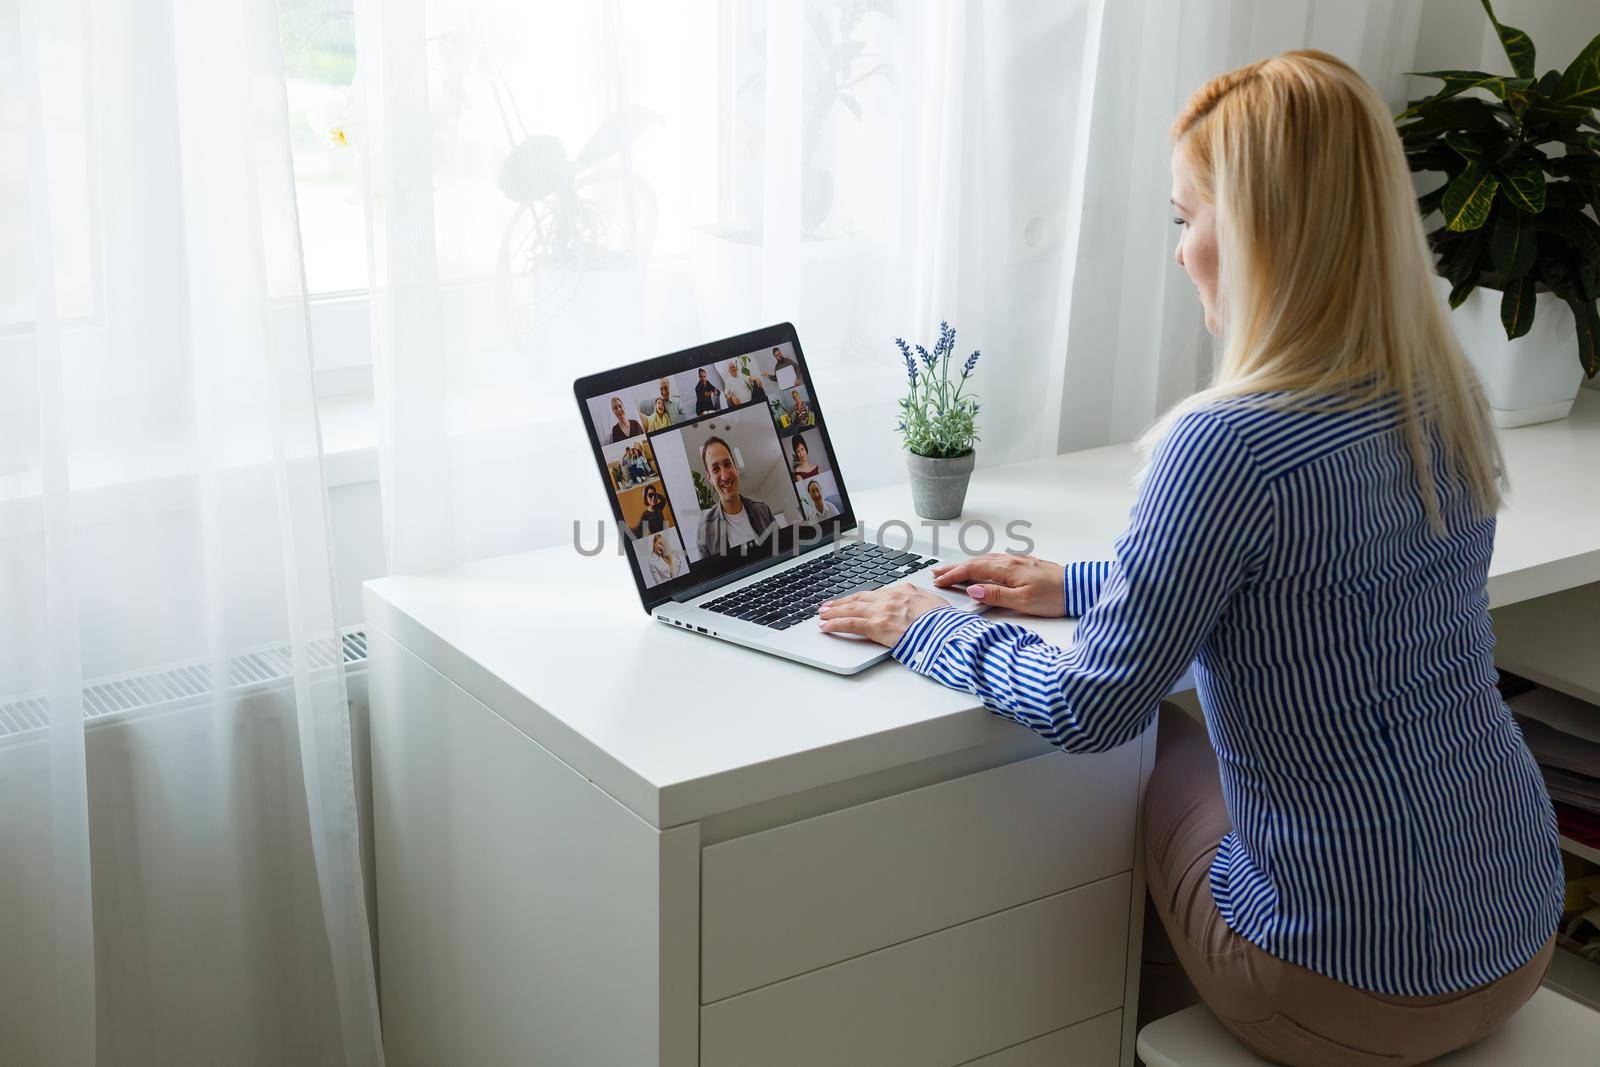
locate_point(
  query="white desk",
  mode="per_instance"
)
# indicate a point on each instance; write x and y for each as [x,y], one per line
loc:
[601,840]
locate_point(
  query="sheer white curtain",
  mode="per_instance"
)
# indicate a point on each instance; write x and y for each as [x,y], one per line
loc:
[179,876]
[1130,325]
[556,188]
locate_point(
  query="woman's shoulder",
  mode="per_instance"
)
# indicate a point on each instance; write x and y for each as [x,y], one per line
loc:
[1234,436]
[1204,440]
[1284,429]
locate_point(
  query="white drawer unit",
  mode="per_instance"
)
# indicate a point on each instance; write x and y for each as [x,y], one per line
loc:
[1087,1044]
[942,999]
[955,893]
[798,897]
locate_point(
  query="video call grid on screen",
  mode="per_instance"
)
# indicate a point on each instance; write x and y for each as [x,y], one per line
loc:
[751,415]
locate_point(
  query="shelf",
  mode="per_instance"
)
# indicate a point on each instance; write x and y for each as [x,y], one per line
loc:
[1580,850]
[1575,977]
[1551,640]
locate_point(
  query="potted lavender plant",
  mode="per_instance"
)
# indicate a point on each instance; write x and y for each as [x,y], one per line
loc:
[938,420]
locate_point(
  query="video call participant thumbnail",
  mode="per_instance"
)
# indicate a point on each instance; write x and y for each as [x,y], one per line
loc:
[813,505]
[801,452]
[800,413]
[655,517]
[707,397]
[736,518]
[631,466]
[742,388]
[624,427]
[780,361]
[666,563]
[660,418]
[663,407]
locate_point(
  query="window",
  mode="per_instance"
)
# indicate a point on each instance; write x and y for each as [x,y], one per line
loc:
[595,177]
[319,58]
[61,87]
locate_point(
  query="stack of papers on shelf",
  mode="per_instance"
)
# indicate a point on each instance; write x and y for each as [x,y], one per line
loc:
[1563,733]
[1569,715]
[1571,764]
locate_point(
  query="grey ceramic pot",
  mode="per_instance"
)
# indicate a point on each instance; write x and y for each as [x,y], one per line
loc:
[939,486]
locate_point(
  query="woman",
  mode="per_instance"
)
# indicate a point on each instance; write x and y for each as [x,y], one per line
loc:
[814,507]
[665,564]
[624,427]
[654,517]
[660,418]
[1361,866]
[800,411]
[803,467]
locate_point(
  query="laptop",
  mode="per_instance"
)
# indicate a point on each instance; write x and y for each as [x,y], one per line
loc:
[730,503]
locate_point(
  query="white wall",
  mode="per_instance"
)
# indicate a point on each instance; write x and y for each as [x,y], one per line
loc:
[1456,35]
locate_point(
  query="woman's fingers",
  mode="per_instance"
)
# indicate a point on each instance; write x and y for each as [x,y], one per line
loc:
[845,624]
[973,570]
[983,569]
[1001,596]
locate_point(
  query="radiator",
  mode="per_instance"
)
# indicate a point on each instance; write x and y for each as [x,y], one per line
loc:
[178,686]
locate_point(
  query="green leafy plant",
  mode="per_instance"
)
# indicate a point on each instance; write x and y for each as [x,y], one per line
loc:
[1514,217]
[704,495]
[938,419]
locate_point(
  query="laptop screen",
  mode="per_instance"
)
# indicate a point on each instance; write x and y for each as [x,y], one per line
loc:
[714,459]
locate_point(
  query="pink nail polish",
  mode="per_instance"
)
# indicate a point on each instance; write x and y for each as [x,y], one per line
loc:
[976,592]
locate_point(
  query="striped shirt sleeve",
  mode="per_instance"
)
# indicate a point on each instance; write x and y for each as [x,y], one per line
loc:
[1197,530]
[1083,584]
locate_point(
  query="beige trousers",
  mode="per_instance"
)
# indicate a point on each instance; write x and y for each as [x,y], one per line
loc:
[1284,1012]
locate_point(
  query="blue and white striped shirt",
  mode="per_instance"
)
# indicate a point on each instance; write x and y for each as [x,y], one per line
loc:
[1390,829]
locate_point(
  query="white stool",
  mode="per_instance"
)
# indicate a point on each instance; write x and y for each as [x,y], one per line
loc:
[1550,1029]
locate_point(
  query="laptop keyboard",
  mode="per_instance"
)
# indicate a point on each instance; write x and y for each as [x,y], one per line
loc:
[794,595]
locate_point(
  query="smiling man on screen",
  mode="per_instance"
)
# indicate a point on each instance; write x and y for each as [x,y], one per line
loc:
[737,518]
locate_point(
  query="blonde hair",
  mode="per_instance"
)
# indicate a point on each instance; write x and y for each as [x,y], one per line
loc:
[1326,281]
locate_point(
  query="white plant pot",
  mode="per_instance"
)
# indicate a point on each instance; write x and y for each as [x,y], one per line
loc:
[1532,379]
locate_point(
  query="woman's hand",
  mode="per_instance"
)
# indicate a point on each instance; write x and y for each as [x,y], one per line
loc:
[881,615]
[1021,583]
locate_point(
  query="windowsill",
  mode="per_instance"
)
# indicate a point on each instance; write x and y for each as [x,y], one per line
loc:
[350,434]
[349,438]
[350,422]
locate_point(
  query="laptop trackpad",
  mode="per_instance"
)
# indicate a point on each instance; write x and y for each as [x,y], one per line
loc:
[955,594]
